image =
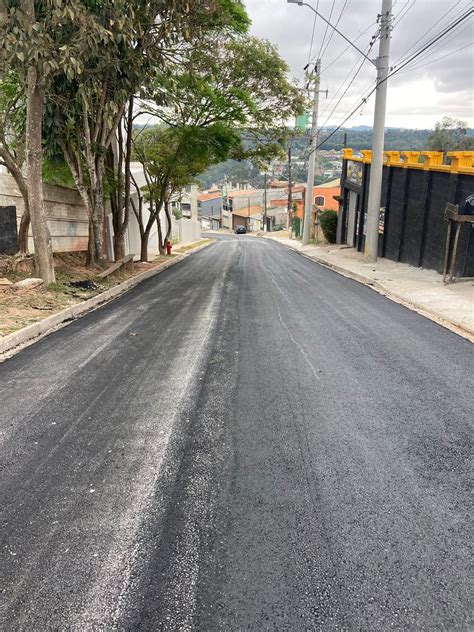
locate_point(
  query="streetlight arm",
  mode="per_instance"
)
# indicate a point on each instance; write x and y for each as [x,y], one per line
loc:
[333,27]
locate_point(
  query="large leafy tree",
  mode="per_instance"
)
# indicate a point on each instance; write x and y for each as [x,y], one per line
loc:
[41,39]
[85,112]
[235,86]
[13,143]
[241,82]
[450,135]
[171,158]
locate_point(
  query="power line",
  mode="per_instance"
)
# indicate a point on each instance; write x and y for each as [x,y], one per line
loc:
[435,24]
[333,61]
[437,59]
[318,56]
[422,37]
[344,93]
[346,4]
[434,40]
[395,71]
[312,34]
[404,12]
[455,34]
[367,51]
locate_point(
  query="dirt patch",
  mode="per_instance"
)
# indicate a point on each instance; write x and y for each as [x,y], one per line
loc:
[194,244]
[22,307]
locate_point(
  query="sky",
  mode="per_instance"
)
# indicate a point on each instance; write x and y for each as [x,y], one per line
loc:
[418,96]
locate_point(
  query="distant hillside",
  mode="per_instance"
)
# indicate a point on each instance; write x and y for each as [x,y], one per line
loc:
[361,138]
[358,137]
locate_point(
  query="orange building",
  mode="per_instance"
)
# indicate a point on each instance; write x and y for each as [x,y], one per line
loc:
[323,197]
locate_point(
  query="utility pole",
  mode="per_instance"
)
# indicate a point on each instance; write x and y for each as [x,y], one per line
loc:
[376,168]
[290,191]
[308,207]
[265,203]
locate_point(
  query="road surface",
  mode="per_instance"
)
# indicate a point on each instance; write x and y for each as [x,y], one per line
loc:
[247,441]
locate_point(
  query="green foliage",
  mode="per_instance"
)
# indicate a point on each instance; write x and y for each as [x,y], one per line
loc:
[296,226]
[56,172]
[328,222]
[173,156]
[238,82]
[450,135]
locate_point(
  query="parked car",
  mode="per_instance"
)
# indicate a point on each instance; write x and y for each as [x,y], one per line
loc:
[240,230]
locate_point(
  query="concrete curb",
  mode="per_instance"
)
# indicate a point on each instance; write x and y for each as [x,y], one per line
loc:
[36,331]
[454,325]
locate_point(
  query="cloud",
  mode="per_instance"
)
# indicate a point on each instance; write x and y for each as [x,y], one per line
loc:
[416,98]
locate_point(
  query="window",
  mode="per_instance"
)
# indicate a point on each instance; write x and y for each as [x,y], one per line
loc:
[319,200]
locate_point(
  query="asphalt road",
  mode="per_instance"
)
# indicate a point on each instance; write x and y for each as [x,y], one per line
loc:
[247,441]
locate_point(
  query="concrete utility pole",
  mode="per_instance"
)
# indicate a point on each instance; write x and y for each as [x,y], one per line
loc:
[265,203]
[290,190]
[308,205]
[376,168]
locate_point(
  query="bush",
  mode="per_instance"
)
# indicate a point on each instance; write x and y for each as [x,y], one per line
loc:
[328,222]
[296,226]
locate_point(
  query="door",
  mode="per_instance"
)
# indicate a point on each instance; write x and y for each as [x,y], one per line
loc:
[351,219]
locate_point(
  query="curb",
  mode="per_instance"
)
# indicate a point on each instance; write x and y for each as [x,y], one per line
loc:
[36,331]
[453,325]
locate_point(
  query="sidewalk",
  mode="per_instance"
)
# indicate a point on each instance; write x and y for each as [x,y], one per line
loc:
[422,290]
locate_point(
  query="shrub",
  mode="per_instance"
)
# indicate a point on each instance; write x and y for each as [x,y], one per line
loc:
[328,222]
[296,226]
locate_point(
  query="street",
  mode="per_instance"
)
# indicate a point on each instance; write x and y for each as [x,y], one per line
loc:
[247,441]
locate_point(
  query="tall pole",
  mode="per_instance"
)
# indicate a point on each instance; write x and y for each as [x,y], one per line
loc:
[290,191]
[265,203]
[376,168]
[308,207]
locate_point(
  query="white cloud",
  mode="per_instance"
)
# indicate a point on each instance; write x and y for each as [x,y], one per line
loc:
[416,99]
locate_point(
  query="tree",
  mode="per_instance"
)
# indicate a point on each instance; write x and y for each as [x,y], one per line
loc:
[230,98]
[241,82]
[12,144]
[171,158]
[41,39]
[137,43]
[450,134]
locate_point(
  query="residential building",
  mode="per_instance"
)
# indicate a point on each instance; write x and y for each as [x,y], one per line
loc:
[210,209]
[416,186]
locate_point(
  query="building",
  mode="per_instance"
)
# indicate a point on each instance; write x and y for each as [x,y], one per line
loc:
[416,187]
[249,216]
[210,209]
[324,197]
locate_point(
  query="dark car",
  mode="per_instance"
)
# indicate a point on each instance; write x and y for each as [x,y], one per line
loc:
[240,230]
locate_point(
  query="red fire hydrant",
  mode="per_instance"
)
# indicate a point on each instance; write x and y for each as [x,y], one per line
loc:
[168,247]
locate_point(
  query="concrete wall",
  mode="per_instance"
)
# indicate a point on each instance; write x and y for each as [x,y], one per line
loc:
[67,216]
[189,230]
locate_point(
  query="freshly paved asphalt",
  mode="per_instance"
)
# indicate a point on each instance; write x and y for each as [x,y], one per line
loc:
[247,441]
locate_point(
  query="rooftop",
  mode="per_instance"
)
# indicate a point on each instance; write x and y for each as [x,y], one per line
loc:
[211,195]
[248,211]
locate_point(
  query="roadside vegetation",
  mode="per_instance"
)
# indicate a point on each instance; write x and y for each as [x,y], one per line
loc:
[78,78]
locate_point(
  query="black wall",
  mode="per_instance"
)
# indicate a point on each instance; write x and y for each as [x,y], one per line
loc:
[415,228]
[8,237]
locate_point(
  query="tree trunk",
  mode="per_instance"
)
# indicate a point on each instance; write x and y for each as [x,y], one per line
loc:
[119,245]
[144,245]
[95,244]
[168,218]
[161,244]
[34,158]
[15,169]
[24,230]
